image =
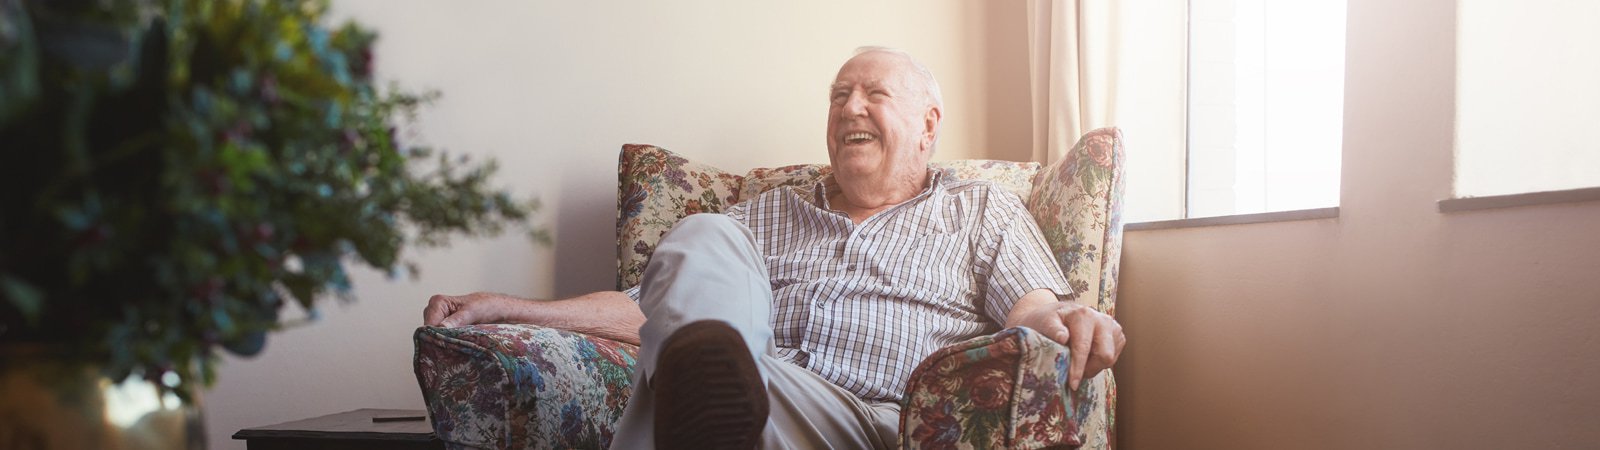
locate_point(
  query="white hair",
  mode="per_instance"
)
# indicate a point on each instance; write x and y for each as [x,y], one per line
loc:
[930,85]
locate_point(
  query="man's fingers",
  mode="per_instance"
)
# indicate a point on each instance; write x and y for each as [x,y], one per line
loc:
[438,308]
[454,320]
[1079,345]
[1057,331]
[1105,352]
[1122,340]
[448,311]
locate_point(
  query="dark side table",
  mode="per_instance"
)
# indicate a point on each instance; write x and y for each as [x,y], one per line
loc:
[362,429]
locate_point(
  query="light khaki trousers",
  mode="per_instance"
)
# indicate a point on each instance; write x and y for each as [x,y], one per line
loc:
[709,268]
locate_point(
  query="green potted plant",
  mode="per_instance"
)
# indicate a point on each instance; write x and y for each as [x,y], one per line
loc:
[175,172]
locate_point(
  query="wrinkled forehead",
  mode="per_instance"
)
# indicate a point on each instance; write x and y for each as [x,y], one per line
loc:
[874,69]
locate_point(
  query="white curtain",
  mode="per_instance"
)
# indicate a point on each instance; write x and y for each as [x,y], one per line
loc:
[1121,63]
[1073,67]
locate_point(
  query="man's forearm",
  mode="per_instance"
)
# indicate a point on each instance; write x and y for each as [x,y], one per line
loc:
[608,314]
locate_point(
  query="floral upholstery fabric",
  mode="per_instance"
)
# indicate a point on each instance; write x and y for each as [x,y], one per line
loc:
[509,386]
[655,189]
[1015,177]
[522,386]
[1006,390]
[762,179]
[1078,205]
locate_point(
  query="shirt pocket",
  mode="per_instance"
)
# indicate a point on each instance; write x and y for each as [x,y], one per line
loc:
[934,263]
[799,265]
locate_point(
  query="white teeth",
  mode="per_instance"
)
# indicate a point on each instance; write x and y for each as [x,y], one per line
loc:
[858,136]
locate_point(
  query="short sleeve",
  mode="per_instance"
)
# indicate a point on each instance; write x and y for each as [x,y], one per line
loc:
[1014,258]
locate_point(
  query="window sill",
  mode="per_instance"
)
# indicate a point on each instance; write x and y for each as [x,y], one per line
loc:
[1515,200]
[1237,219]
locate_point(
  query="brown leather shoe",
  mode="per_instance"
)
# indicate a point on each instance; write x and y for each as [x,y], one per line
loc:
[708,391]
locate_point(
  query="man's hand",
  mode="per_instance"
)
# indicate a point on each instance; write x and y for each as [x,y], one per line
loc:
[1094,338]
[470,309]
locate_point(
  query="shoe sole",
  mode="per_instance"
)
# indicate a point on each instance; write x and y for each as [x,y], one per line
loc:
[708,390]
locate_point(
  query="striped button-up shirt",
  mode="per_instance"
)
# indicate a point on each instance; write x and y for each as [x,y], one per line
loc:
[862,304]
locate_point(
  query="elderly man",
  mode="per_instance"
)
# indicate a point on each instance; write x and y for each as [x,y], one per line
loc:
[795,319]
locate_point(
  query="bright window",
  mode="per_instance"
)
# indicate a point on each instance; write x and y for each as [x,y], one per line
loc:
[1527,96]
[1266,97]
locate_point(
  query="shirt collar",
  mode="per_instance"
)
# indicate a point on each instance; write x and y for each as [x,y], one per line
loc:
[827,184]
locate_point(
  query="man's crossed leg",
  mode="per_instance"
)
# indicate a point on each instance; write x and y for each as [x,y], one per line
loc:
[708,375]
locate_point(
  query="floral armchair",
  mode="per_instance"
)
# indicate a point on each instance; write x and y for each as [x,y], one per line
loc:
[523,386]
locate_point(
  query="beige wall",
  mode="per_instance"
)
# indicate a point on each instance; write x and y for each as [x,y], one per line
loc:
[1393,326]
[553,88]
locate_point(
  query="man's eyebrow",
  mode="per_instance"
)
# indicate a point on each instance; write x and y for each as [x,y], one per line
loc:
[846,85]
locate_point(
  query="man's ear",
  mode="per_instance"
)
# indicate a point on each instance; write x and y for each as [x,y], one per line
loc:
[930,123]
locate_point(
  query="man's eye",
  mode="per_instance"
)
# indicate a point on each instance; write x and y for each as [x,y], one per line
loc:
[838,97]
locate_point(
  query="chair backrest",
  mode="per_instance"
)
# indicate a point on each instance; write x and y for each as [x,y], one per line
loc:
[1076,201]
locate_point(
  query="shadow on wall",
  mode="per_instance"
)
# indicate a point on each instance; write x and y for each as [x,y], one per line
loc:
[1002,55]
[584,244]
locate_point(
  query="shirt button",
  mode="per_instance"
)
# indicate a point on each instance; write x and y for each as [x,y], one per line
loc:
[851,267]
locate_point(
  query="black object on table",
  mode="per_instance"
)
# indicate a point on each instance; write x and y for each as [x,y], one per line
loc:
[362,429]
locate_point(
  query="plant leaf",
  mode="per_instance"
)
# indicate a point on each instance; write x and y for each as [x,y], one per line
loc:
[24,296]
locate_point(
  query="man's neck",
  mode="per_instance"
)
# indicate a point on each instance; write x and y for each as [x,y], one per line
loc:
[862,198]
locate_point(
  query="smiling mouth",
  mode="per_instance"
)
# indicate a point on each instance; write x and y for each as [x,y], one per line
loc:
[860,137]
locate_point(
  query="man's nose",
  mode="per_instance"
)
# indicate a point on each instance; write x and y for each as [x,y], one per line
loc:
[855,104]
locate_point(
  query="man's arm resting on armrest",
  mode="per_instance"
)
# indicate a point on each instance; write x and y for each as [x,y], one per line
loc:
[608,314]
[1094,338]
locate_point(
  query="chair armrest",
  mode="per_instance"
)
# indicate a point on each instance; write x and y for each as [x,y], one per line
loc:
[522,386]
[1006,390]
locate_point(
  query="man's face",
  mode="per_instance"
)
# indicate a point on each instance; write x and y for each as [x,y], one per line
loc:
[880,121]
